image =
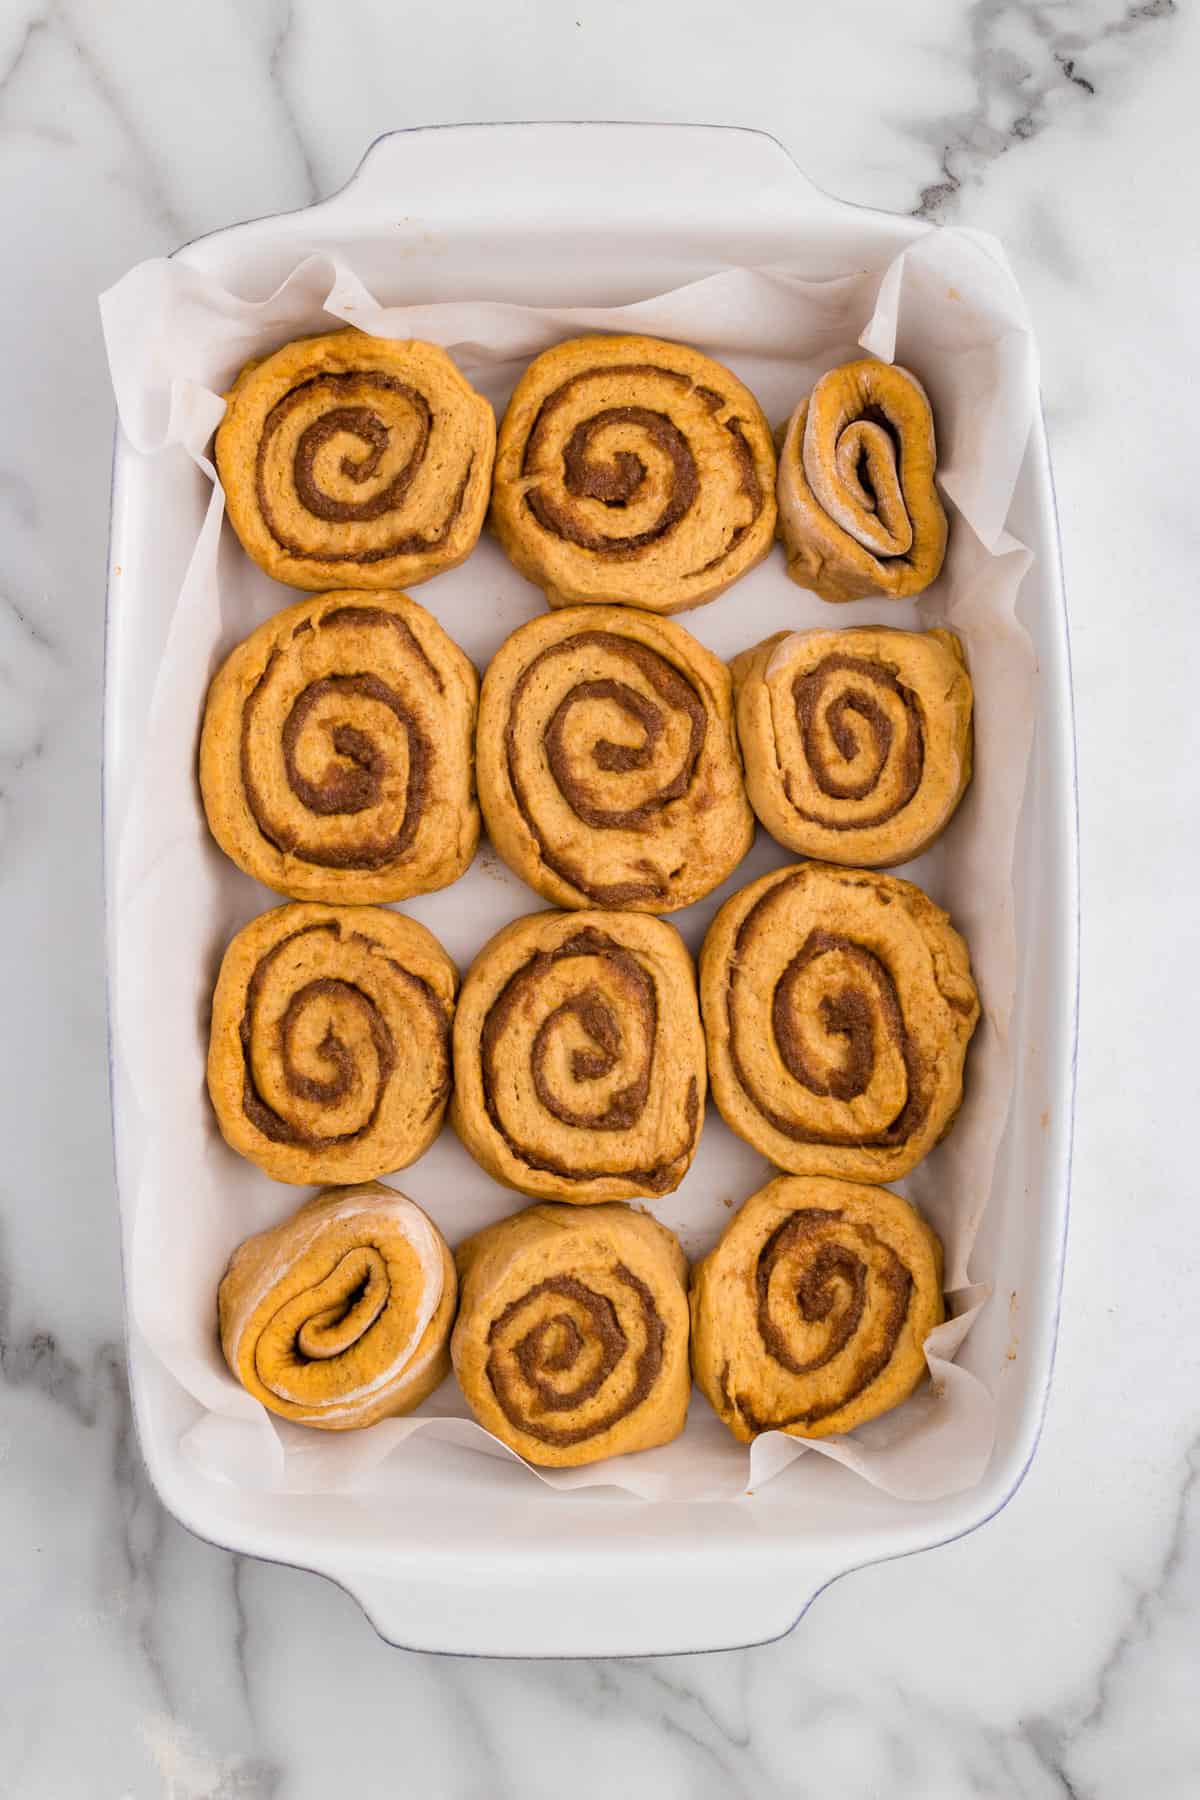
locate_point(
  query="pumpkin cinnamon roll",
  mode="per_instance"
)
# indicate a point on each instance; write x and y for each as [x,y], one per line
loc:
[341,1315]
[337,759]
[838,1005]
[572,1336]
[329,1058]
[633,471]
[608,767]
[811,1314]
[579,1069]
[859,512]
[356,461]
[857,744]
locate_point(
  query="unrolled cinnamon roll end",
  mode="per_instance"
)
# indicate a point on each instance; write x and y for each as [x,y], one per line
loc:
[859,511]
[340,1315]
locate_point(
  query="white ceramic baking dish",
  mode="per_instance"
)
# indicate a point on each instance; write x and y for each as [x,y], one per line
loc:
[473,1556]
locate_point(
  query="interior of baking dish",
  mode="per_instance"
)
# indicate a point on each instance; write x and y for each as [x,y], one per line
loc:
[455,1551]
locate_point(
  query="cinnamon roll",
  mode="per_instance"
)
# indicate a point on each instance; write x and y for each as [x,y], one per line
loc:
[572,1336]
[608,768]
[838,1005]
[337,759]
[329,1059]
[633,471]
[579,1070]
[341,1315]
[811,1314]
[356,461]
[857,744]
[859,512]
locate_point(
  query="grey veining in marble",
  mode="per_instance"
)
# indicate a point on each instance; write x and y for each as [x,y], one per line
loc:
[1024,60]
[1054,1653]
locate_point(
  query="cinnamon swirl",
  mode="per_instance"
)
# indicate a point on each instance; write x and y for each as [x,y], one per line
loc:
[857,744]
[810,1315]
[838,1006]
[633,471]
[579,1063]
[329,1058]
[356,461]
[608,767]
[337,758]
[572,1336]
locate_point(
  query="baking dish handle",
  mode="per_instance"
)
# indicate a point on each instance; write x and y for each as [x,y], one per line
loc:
[659,1602]
[556,175]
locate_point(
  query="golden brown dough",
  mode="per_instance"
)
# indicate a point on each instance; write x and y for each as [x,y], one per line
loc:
[356,461]
[329,1058]
[341,1315]
[838,1005]
[608,766]
[337,759]
[633,471]
[859,512]
[579,1069]
[857,744]
[811,1314]
[572,1336]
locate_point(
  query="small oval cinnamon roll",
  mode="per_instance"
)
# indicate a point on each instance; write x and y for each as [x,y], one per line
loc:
[329,1058]
[811,1314]
[608,767]
[572,1336]
[857,744]
[633,471]
[337,759]
[356,461]
[859,512]
[579,1069]
[341,1315]
[838,1006]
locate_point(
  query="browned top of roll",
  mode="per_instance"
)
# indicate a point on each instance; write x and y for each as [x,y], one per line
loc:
[579,1057]
[329,1054]
[608,768]
[606,1029]
[811,1314]
[829,1287]
[337,755]
[342,1077]
[347,452]
[633,470]
[555,1344]
[674,691]
[571,1340]
[848,716]
[838,1006]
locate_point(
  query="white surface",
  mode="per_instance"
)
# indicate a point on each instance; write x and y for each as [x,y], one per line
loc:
[1051,1653]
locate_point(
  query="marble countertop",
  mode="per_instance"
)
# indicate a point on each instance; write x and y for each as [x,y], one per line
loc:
[1055,1652]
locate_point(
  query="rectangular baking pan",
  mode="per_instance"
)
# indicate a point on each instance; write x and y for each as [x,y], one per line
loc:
[473,1556]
